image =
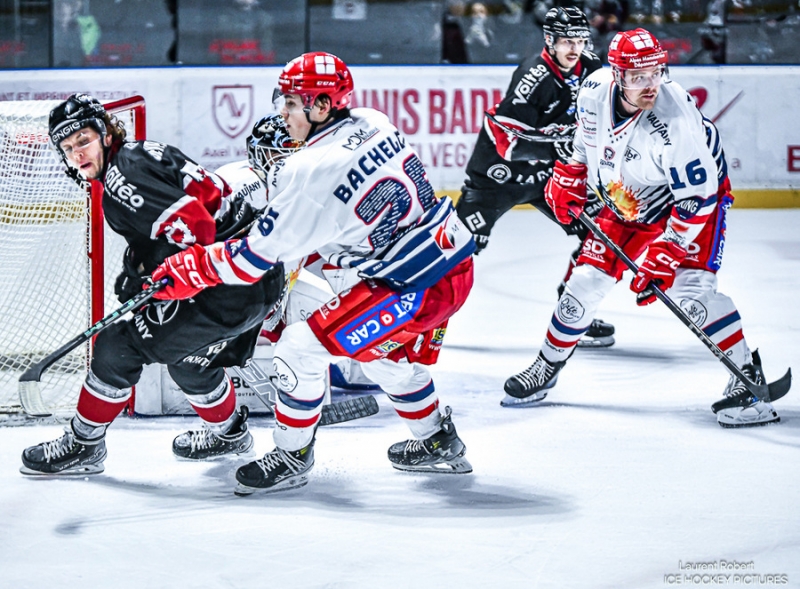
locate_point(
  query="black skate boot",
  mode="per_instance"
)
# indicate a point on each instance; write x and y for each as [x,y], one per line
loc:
[442,452]
[278,470]
[203,444]
[66,455]
[740,408]
[599,335]
[530,385]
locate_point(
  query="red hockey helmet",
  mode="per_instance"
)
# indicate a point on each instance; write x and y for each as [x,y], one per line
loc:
[317,73]
[636,49]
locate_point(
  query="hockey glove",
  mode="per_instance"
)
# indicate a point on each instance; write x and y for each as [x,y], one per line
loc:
[565,191]
[188,272]
[658,269]
[130,281]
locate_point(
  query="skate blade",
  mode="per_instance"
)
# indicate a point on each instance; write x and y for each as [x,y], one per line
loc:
[596,342]
[455,466]
[250,453]
[515,402]
[777,419]
[85,469]
[295,482]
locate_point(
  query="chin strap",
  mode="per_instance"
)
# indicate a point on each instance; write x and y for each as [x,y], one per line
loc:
[335,114]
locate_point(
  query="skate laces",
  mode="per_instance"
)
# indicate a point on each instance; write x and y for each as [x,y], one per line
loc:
[202,439]
[58,447]
[737,386]
[274,459]
[414,446]
[536,374]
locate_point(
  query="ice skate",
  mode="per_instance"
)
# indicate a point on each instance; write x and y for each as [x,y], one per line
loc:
[203,444]
[532,384]
[599,335]
[748,410]
[278,470]
[442,452]
[66,455]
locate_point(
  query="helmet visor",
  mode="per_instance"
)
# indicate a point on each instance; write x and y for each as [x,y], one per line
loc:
[644,78]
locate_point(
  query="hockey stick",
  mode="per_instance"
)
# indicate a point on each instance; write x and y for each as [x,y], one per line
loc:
[763,392]
[339,412]
[30,395]
[531,138]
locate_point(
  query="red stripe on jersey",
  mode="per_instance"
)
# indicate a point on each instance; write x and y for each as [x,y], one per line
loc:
[422,413]
[293,422]
[731,341]
[240,274]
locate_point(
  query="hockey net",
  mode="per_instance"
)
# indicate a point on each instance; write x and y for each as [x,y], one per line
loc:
[58,258]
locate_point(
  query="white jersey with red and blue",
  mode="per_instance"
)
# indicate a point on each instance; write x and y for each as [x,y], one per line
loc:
[661,162]
[357,195]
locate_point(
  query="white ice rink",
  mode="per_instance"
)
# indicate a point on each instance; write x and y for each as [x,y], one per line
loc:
[618,480]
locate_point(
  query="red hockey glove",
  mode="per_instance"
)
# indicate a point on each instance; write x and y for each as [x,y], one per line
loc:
[188,272]
[566,191]
[658,268]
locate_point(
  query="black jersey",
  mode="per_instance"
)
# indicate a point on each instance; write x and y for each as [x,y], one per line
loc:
[539,104]
[162,202]
[159,200]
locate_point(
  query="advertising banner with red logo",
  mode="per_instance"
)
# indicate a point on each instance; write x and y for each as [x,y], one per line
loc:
[209,112]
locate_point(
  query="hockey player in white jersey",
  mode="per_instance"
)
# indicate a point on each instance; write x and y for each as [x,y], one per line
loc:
[645,148]
[250,180]
[357,195]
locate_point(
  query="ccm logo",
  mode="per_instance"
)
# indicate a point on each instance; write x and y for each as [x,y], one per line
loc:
[562,180]
[665,259]
[190,263]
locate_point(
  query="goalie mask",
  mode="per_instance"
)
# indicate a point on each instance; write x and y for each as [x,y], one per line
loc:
[268,143]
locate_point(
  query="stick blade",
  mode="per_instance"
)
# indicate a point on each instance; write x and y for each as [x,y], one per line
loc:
[769,393]
[30,397]
[348,410]
[780,387]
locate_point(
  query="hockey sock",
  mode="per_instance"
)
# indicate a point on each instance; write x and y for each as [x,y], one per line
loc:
[419,409]
[217,408]
[98,405]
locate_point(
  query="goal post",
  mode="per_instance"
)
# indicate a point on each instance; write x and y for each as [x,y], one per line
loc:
[58,258]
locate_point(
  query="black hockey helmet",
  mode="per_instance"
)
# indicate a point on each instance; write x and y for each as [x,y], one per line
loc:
[269,142]
[75,113]
[565,21]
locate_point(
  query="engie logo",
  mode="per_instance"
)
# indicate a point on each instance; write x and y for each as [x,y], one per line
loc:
[232,107]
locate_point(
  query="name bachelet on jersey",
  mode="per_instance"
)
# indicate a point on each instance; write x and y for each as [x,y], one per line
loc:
[369,164]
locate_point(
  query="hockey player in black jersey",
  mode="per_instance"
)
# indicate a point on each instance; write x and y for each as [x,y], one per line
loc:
[524,135]
[161,202]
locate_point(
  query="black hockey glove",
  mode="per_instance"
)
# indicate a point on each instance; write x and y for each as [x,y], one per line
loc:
[237,220]
[130,281]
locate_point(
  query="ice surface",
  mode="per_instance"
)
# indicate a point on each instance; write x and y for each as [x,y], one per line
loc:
[620,477]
